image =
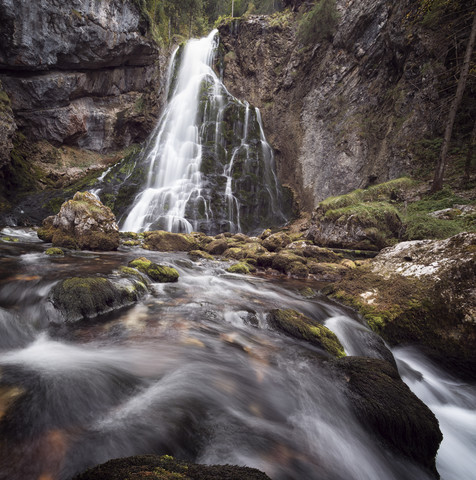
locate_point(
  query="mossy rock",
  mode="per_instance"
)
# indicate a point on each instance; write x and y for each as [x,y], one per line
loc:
[285,259]
[154,467]
[276,241]
[54,251]
[235,253]
[195,254]
[327,272]
[217,246]
[299,326]
[9,239]
[387,407]
[158,273]
[87,297]
[132,243]
[82,223]
[265,260]
[162,241]
[298,269]
[241,267]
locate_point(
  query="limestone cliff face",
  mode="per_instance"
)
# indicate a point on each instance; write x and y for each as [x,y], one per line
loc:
[341,114]
[79,72]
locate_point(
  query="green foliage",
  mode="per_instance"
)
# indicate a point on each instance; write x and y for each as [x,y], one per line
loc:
[319,23]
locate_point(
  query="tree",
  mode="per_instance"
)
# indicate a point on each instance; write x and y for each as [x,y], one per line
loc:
[442,160]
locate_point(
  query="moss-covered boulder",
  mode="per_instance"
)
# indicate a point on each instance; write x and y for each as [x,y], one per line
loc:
[365,226]
[387,407]
[217,246]
[284,259]
[299,326]
[318,254]
[276,241]
[154,467]
[265,260]
[87,297]
[82,223]
[55,252]
[162,241]
[158,273]
[241,267]
[326,272]
[196,254]
[420,292]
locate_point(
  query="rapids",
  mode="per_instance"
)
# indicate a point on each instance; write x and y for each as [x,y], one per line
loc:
[193,370]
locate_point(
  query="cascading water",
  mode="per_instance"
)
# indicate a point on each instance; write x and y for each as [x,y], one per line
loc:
[196,371]
[209,165]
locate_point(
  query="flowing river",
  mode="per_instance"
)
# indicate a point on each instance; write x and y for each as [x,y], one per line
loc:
[193,370]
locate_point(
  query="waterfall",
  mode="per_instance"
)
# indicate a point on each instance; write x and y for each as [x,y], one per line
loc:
[209,166]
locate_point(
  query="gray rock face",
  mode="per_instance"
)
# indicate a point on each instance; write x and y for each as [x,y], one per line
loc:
[80,73]
[7,128]
[341,114]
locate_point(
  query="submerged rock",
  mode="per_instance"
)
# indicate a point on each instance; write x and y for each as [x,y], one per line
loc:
[154,467]
[82,223]
[158,273]
[386,406]
[87,297]
[421,292]
[299,326]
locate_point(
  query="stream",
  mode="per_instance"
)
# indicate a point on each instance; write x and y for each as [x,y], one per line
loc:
[193,370]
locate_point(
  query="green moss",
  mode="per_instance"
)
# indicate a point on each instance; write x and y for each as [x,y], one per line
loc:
[299,326]
[142,264]
[200,254]
[54,251]
[240,267]
[132,243]
[9,239]
[158,273]
[162,273]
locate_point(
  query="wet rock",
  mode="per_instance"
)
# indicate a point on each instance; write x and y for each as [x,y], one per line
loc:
[241,267]
[299,326]
[82,223]
[276,241]
[421,292]
[158,273]
[54,251]
[196,254]
[162,241]
[87,297]
[153,467]
[387,407]
[284,259]
[217,247]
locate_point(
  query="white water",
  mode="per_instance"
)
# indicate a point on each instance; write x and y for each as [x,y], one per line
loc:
[174,173]
[451,400]
[454,404]
[236,188]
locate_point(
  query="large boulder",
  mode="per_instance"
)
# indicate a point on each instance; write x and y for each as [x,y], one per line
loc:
[154,467]
[162,241]
[387,407]
[87,297]
[421,292]
[82,223]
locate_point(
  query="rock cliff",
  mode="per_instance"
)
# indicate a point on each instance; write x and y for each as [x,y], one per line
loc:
[342,113]
[80,73]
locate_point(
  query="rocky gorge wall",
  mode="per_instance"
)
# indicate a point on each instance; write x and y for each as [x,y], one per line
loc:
[341,114]
[81,73]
